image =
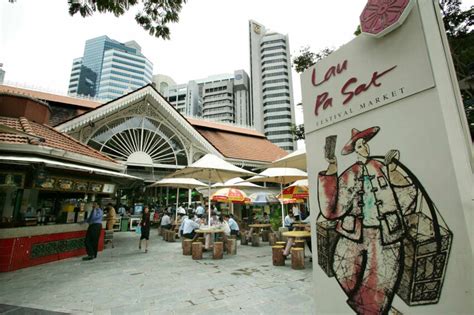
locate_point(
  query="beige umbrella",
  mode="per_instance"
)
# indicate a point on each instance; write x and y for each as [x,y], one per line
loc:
[282,176]
[212,169]
[296,159]
[187,183]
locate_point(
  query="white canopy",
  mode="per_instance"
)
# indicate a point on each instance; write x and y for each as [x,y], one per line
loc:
[296,159]
[281,175]
[188,183]
[212,169]
[236,182]
[179,183]
[301,182]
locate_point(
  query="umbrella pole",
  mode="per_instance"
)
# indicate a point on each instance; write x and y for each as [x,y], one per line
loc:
[209,203]
[282,207]
[189,197]
[177,202]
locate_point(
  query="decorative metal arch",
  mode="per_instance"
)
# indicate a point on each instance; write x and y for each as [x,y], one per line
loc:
[140,140]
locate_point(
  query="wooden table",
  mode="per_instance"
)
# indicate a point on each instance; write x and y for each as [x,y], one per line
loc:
[259,226]
[300,226]
[210,232]
[297,234]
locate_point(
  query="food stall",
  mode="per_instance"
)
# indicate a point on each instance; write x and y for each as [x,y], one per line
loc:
[48,182]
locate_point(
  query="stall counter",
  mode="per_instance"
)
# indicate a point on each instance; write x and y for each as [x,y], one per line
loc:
[24,247]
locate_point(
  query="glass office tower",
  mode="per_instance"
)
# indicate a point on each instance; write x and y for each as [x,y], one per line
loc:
[109,69]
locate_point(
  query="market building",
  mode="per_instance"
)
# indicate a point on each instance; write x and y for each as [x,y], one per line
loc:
[48,181]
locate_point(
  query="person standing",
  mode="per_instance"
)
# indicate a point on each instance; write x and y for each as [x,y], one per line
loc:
[145,228]
[93,231]
[110,217]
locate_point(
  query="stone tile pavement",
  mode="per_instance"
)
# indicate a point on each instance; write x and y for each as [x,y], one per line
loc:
[163,281]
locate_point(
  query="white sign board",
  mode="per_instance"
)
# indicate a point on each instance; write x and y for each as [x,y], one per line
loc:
[391,177]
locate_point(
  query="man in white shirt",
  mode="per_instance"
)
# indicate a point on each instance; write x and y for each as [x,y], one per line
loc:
[234,227]
[296,212]
[289,219]
[166,221]
[199,210]
[181,209]
[189,226]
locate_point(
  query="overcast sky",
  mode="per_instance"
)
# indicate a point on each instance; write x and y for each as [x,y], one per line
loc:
[39,40]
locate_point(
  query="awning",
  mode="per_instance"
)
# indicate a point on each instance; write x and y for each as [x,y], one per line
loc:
[57,164]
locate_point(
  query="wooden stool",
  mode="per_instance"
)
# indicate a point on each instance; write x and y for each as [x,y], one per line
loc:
[201,239]
[280,243]
[171,236]
[231,246]
[255,240]
[163,234]
[271,239]
[218,251]
[297,258]
[299,244]
[265,235]
[197,250]
[244,239]
[187,243]
[277,256]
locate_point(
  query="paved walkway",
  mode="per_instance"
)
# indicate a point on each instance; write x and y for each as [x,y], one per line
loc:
[163,281]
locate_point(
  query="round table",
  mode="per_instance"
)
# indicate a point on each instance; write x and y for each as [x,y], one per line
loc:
[297,234]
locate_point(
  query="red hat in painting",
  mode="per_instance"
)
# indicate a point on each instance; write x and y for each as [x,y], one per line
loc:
[366,134]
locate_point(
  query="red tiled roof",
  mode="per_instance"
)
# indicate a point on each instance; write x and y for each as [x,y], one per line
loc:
[223,127]
[52,138]
[242,146]
[50,97]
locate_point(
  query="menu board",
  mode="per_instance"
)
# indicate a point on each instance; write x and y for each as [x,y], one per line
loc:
[73,185]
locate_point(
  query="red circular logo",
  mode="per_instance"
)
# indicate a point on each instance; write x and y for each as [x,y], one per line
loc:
[382,16]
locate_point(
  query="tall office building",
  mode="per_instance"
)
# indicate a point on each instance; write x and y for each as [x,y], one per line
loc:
[272,88]
[2,73]
[223,97]
[108,69]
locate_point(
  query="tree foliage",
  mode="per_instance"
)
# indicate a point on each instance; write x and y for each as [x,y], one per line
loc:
[307,58]
[153,15]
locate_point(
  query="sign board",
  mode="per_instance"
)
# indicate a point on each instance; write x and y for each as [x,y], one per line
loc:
[391,179]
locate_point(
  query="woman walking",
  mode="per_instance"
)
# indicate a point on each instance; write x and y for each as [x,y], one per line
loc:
[145,229]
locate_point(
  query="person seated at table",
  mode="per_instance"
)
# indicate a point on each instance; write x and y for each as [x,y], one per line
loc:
[234,227]
[189,227]
[214,220]
[200,211]
[291,240]
[166,222]
[181,223]
[289,219]
[265,219]
[296,212]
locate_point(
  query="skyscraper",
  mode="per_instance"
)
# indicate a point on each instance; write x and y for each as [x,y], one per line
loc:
[109,69]
[223,97]
[271,89]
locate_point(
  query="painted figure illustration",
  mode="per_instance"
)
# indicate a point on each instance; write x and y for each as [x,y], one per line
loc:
[379,233]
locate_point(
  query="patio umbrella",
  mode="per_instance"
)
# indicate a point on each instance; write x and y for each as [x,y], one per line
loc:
[212,169]
[263,198]
[178,183]
[296,192]
[296,159]
[282,176]
[229,195]
[236,182]
[301,182]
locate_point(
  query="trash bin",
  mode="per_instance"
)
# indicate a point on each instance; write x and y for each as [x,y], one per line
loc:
[124,224]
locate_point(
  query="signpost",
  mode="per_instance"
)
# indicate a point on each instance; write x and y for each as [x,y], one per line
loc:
[389,147]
